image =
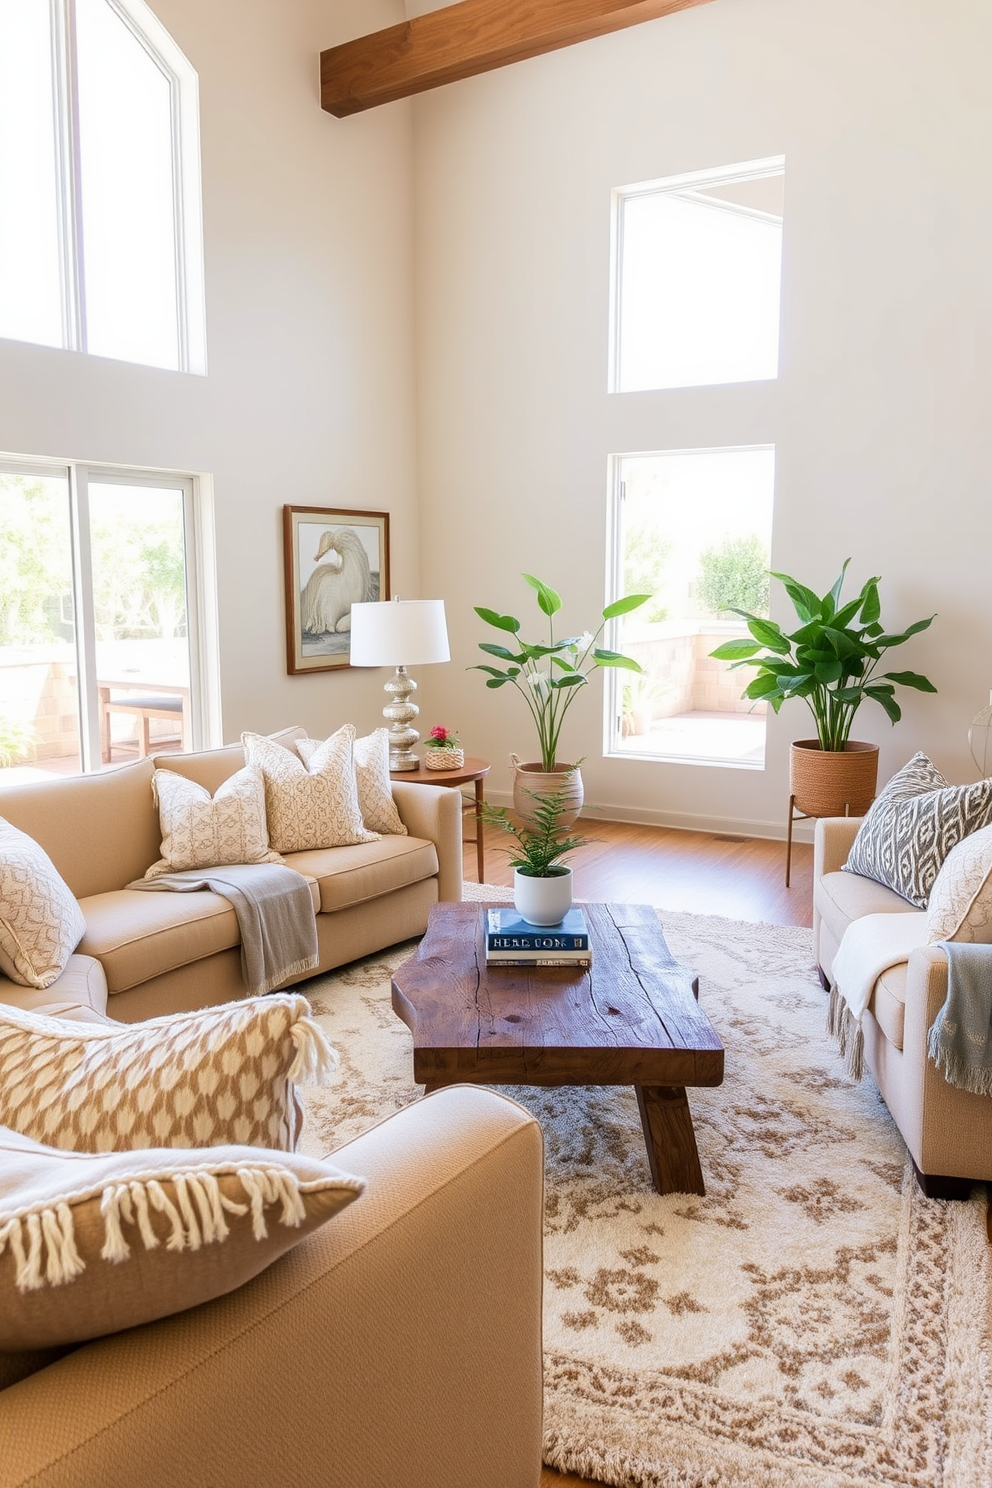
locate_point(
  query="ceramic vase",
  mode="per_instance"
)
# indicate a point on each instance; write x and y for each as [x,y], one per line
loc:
[543,901]
[530,780]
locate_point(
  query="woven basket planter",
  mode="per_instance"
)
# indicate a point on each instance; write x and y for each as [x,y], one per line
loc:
[444,759]
[833,782]
[532,780]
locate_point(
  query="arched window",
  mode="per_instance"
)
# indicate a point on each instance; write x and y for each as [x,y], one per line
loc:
[100,217]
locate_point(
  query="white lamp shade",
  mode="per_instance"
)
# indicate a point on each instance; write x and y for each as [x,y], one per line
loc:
[399,632]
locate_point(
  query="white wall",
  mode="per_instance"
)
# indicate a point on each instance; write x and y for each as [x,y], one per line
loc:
[308,400]
[880,415]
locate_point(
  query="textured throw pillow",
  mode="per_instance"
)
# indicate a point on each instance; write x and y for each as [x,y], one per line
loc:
[960,905]
[204,831]
[222,1074]
[310,805]
[375,796]
[40,922]
[913,825]
[93,1244]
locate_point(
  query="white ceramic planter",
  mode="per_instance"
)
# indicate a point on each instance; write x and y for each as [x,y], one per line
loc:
[542,901]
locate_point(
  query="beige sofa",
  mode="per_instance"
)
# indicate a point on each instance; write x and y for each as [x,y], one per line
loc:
[399,1345]
[148,954]
[948,1131]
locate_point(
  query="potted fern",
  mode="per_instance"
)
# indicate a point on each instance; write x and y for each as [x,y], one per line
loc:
[831,661]
[542,881]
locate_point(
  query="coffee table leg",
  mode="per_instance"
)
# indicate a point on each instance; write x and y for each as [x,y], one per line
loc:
[670,1139]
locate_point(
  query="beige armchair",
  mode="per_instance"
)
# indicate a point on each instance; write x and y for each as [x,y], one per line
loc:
[948,1131]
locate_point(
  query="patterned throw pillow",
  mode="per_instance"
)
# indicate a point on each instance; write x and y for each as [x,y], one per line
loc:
[93,1244]
[913,825]
[375,796]
[960,905]
[204,831]
[40,922]
[310,805]
[222,1074]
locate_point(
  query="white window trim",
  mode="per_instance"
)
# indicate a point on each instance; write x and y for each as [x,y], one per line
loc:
[148,30]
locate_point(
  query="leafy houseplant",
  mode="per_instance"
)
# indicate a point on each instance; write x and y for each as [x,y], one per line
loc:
[549,676]
[830,661]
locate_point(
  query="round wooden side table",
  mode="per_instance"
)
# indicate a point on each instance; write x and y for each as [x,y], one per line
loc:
[472,771]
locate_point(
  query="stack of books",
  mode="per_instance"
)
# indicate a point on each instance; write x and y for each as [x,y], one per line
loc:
[513,941]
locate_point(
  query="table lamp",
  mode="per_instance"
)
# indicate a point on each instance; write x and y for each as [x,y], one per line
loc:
[399,633]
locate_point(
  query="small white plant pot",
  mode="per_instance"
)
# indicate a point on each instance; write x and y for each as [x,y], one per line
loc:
[542,901]
[444,759]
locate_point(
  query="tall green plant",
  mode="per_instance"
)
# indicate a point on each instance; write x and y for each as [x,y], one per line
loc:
[549,675]
[831,661]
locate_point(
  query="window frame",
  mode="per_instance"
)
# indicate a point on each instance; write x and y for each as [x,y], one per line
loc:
[201,629]
[152,36]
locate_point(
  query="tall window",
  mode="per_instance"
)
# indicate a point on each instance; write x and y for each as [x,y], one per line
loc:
[693,528]
[99,183]
[98,636]
[697,278]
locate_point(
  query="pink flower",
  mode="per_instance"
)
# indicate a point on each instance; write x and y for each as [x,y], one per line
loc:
[443,737]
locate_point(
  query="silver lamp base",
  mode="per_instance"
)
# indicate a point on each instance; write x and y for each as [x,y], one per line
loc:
[399,713]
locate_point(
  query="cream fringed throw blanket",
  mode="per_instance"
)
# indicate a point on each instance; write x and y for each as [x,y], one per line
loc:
[870,946]
[275,917]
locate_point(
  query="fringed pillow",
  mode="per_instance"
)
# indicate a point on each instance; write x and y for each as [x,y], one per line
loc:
[912,826]
[40,922]
[375,796]
[310,805]
[222,1074]
[93,1244]
[204,831]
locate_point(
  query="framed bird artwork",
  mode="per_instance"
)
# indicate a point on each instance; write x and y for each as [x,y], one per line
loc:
[334,559]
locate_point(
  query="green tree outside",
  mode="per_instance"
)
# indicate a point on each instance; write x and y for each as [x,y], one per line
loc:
[735,576]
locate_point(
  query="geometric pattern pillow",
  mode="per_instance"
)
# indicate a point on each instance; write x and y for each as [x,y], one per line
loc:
[960,905]
[204,831]
[310,806]
[219,1075]
[912,826]
[93,1244]
[40,922]
[375,795]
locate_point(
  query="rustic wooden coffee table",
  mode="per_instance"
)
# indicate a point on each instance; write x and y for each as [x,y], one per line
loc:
[630,1019]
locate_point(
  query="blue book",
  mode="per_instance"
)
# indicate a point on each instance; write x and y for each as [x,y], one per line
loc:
[509,931]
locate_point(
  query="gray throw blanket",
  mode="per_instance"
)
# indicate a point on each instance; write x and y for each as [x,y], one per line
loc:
[275,916]
[960,1040]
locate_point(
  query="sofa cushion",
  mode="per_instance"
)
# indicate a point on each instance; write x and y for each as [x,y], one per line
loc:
[351,875]
[960,905]
[888,1002]
[914,823]
[843,897]
[93,1244]
[222,1074]
[138,936]
[313,805]
[40,921]
[80,993]
[200,830]
[375,795]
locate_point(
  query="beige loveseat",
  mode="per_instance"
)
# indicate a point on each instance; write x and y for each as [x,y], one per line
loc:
[144,955]
[948,1131]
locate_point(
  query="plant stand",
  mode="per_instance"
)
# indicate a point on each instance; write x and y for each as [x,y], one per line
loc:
[795,816]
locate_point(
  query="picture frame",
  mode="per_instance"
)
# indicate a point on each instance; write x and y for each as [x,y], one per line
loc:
[334,558]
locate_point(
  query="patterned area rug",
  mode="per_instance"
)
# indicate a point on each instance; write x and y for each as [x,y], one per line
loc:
[813,1322]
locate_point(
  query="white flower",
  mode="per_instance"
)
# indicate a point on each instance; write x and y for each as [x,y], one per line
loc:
[584,641]
[538,683]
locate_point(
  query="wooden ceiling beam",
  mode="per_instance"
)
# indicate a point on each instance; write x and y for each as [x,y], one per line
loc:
[463,40]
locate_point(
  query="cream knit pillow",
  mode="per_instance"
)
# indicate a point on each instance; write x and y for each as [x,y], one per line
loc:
[375,796]
[222,1074]
[93,1244]
[40,922]
[960,906]
[204,831]
[313,805]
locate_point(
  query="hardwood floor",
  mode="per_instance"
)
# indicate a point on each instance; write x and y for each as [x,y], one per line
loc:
[699,872]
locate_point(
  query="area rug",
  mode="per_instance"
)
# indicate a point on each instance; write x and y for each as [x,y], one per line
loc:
[813,1322]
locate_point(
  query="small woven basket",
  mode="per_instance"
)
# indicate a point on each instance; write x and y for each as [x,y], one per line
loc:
[444,759]
[833,782]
